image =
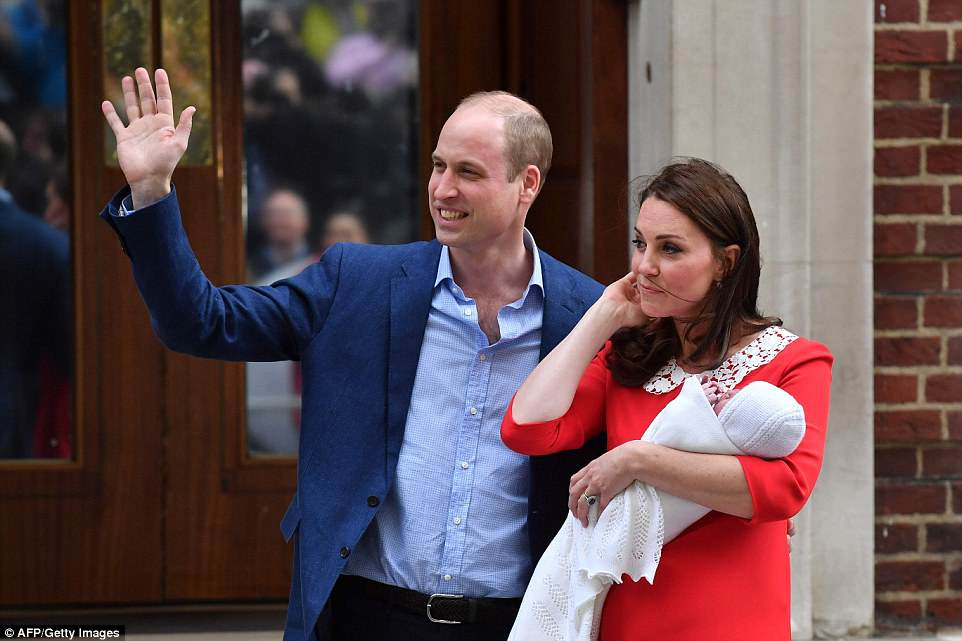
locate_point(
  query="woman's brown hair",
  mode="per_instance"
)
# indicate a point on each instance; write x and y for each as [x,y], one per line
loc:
[715,202]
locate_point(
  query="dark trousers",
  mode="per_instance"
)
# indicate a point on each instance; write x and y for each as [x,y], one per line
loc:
[354,616]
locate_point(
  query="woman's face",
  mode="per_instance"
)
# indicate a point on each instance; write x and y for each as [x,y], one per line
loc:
[674,262]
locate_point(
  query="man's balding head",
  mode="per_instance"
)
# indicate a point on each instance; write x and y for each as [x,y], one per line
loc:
[527,138]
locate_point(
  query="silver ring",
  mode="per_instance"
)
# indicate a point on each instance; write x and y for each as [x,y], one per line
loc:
[590,499]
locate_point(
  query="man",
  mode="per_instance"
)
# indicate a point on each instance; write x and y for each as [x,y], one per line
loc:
[285,221]
[410,355]
[35,323]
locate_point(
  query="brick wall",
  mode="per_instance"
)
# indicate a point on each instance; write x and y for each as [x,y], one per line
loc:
[918,314]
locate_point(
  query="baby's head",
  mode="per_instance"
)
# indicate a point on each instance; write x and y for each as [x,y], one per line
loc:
[763,420]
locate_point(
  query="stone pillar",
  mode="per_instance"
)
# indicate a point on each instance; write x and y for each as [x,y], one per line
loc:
[779,93]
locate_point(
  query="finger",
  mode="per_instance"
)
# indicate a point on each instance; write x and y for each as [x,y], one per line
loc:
[130,99]
[165,100]
[148,103]
[791,527]
[184,124]
[112,118]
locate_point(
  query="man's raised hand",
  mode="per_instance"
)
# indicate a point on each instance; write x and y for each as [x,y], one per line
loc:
[149,147]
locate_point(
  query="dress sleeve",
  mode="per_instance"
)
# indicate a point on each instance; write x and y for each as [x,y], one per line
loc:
[780,487]
[583,421]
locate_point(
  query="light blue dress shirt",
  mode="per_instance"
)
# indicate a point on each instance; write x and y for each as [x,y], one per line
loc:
[455,521]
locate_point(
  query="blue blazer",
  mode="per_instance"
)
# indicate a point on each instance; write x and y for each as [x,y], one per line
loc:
[355,320]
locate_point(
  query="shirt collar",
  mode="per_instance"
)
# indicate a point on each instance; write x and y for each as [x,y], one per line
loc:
[445,272]
[5,196]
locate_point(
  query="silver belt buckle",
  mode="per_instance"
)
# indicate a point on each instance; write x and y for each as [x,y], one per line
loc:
[443,596]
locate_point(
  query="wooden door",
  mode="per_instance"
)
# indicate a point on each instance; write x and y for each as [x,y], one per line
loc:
[162,502]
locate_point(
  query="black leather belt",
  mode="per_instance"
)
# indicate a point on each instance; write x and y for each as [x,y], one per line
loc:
[438,608]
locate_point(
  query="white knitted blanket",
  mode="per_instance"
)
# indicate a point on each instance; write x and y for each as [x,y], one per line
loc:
[564,599]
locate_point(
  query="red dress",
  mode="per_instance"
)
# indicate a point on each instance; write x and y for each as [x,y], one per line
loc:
[724,578]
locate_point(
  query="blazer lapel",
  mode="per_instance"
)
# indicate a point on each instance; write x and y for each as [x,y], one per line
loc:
[412,288]
[561,310]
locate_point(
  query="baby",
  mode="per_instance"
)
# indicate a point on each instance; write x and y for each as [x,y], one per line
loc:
[569,584]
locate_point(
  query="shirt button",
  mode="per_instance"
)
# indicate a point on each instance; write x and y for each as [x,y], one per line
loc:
[457,520]
[467,312]
[473,411]
[447,577]
[483,358]
[345,552]
[464,465]
[373,501]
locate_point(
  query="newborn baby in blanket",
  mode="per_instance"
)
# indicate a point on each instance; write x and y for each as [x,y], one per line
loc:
[569,585]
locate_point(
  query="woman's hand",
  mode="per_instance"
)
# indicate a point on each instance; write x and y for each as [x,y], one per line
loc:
[604,478]
[622,301]
[149,147]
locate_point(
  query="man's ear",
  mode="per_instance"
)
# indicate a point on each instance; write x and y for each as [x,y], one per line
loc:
[727,258]
[530,183]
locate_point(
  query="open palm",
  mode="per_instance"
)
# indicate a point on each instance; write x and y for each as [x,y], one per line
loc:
[150,146]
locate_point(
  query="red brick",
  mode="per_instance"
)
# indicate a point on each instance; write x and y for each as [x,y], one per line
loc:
[895,313]
[955,118]
[911,46]
[944,159]
[897,11]
[943,240]
[955,350]
[895,239]
[908,199]
[910,499]
[909,576]
[944,611]
[955,199]
[896,388]
[957,498]
[955,274]
[908,277]
[955,579]
[943,311]
[944,388]
[954,420]
[908,122]
[943,537]
[945,10]
[945,84]
[890,614]
[895,462]
[943,461]
[907,351]
[891,539]
[896,84]
[897,161]
[907,426]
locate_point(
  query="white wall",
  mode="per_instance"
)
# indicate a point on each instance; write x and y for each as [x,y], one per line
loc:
[779,93]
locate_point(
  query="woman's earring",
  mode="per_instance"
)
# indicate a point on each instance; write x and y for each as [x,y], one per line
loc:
[718,284]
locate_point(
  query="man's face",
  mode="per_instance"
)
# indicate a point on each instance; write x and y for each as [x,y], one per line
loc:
[285,219]
[473,204]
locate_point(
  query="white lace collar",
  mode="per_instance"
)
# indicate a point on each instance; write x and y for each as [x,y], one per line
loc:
[765,347]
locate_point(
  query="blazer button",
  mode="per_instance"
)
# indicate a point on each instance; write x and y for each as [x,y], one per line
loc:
[345,552]
[373,501]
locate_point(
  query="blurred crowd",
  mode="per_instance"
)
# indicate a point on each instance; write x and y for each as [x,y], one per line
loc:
[330,126]
[35,291]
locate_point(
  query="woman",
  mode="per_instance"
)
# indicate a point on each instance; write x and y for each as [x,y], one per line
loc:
[688,306]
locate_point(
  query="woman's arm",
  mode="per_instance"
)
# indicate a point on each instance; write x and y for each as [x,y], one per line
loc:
[548,391]
[715,481]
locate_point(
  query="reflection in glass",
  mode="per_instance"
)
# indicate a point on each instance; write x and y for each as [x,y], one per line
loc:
[330,131]
[128,39]
[35,291]
[185,32]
